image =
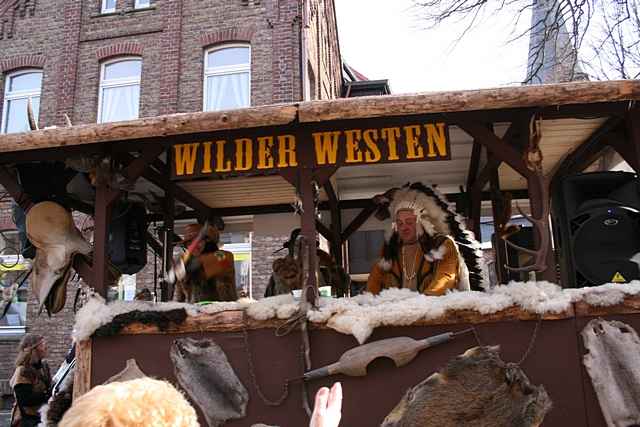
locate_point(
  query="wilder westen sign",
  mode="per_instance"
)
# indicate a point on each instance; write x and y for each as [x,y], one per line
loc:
[272,151]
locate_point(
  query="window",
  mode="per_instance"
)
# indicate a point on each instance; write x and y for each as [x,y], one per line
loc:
[20,87]
[13,268]
[227,78]
[108,6]
[140,4]
[119,97]
[364,250]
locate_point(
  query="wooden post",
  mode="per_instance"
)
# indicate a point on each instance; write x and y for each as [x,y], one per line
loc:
[633,131]
[336,223]
[104,199]
[498,209]
[166,291]
[82,373]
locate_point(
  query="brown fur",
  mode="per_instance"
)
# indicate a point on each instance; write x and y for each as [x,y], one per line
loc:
[475,389]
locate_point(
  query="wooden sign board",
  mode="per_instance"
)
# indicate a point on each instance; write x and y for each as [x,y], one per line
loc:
[266,152]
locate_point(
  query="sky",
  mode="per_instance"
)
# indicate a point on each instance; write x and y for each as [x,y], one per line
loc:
[387,39]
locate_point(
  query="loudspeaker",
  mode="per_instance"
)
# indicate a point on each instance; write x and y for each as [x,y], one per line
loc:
[596,227]
[128,237]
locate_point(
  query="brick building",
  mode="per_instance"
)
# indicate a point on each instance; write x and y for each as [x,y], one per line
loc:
[108,60]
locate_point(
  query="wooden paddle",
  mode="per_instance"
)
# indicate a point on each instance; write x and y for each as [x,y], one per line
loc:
[401,350]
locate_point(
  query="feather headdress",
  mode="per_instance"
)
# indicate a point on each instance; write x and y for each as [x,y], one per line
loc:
[434,217]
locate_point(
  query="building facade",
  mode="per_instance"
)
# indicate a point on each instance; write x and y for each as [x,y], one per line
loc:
[109,60]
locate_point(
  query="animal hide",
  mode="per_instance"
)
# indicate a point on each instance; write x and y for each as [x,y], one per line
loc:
[203,371]
[475,389]
[612,361]
[130,372]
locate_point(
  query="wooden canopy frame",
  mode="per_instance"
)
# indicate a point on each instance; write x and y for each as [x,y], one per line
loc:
[138,144]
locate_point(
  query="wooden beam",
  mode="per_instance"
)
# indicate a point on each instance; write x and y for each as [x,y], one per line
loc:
[448,106]
[585,154]
[160,179]
[102,217]
[357,222]
[167,239]
[287,208]
[135,169]
[632,121]
[149,127]
[82,371]
[499,148]
[336,222]
[527,96]
[325,232]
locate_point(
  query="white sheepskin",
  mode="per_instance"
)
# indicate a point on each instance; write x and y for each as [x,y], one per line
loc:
[360,315]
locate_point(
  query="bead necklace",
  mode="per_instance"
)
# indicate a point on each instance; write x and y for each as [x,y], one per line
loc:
[413,267]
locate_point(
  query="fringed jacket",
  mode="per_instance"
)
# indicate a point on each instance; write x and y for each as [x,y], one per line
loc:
[211,277]
[439,269]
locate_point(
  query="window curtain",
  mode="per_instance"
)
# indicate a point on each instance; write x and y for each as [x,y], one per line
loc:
[227,91]
[120,103]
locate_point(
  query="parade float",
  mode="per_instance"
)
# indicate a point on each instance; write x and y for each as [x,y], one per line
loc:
[273,354]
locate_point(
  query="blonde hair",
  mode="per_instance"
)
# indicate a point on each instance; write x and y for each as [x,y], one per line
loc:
[26,347]
[143,402]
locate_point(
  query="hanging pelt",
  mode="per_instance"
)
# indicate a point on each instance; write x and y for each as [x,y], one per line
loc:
[475,389]
[437,221]
[612,360]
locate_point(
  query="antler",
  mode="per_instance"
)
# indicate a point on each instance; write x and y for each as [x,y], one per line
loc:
[33,124]
[537,186]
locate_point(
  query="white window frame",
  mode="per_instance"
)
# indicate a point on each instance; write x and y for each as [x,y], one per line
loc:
[224,70]
[142,4]
[105,9]
[22,94]
[117,82]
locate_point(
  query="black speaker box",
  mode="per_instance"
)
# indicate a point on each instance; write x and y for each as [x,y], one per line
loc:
[596,225]
[128,237]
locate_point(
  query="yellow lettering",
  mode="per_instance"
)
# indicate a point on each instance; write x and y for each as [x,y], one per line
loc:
[370,137]
[436,137]
[287,148]
[185,158]
[326,144]
[391,135]
[244,154]
[222,165]
[206,159]
[265,154]
[354,155]
[414,150]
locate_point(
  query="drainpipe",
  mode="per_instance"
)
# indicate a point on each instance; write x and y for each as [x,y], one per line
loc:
[304,24]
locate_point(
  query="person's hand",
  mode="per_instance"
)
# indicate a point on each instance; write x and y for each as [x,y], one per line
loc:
[327,410]
[177,273]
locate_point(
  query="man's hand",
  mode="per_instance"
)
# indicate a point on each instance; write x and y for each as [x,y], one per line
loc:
[178,272]
[328,407]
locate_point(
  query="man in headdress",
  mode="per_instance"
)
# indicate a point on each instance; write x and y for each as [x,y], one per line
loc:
[419,254]
[208,274]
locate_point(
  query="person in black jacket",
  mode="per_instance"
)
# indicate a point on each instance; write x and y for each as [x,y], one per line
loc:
[31,381]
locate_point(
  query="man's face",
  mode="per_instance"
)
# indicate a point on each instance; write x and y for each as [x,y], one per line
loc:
[406,225]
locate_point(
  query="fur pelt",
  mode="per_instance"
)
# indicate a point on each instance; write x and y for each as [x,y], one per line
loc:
[160,318]
[475,389]
[437,220]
